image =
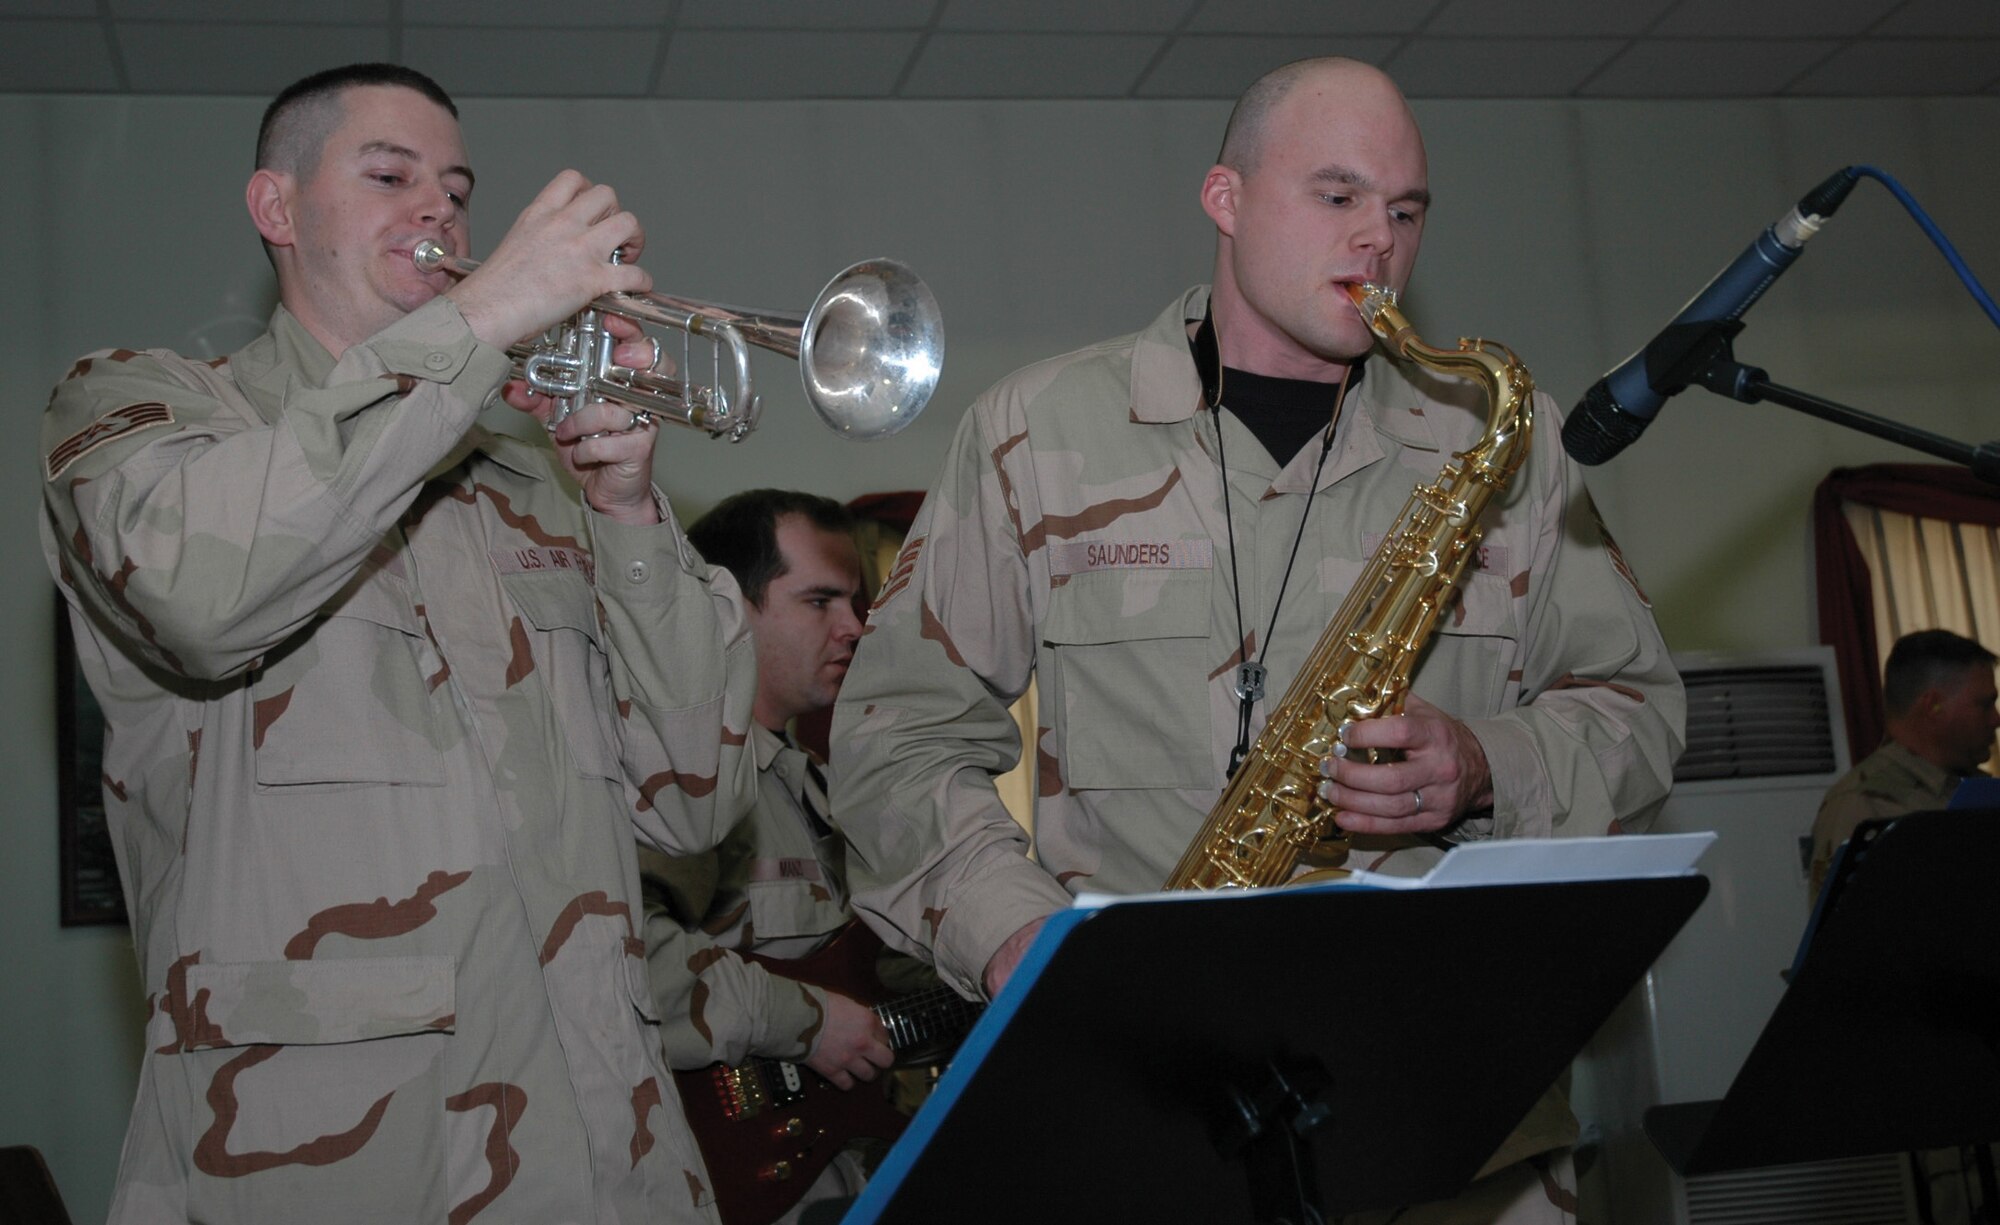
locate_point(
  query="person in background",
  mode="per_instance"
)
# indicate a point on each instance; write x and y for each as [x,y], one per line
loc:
[776,885]
[1938,698]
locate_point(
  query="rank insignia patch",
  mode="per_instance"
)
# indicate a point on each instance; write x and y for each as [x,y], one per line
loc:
[115,424]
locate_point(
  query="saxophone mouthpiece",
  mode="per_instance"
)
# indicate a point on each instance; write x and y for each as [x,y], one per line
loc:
[1371,297]
[1377,304]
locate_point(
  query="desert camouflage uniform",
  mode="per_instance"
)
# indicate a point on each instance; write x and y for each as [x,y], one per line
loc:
[377,745]
[1889,782]
[1077,532]
[773,886]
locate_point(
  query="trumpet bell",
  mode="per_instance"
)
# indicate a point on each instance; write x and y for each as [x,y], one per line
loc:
[871,349]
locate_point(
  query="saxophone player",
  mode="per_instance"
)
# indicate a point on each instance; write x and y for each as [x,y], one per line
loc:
[1160,526]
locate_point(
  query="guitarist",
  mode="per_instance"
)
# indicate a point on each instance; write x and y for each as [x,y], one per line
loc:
[775,885]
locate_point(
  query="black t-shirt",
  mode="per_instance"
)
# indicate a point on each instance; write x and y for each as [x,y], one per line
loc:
[1284,414]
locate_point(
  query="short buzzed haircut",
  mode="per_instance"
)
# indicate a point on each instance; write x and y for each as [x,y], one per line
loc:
[301,118]
[1929,659]
[1243,139]
[741,533]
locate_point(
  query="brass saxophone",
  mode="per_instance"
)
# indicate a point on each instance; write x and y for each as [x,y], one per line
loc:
[1270,816]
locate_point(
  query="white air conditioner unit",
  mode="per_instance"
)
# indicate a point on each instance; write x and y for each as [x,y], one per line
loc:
[1765,741]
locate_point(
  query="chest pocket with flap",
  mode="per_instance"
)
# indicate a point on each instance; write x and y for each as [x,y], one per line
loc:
[1130,652]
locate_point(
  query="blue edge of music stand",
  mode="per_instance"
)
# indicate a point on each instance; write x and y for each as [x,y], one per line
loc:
[1412,1030]
[1887,1038]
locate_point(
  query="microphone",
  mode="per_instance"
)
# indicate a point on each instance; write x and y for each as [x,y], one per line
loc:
[1619,406]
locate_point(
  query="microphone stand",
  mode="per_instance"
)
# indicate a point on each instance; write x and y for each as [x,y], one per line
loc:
[1710,361]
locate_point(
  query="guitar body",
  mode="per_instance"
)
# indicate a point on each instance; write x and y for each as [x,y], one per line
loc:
[767,1128]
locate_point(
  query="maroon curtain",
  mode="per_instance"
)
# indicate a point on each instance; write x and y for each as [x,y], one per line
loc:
[897,510]
[1846,605]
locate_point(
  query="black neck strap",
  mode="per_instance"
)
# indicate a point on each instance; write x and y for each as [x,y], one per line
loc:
[1249,685]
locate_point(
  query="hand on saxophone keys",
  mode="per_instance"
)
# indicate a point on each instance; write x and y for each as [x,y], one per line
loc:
[1442,776]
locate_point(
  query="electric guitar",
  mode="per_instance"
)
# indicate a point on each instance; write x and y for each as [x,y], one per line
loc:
[768,1127]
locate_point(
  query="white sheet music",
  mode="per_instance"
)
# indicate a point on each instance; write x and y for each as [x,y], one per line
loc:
[1506,861]
[1526,861]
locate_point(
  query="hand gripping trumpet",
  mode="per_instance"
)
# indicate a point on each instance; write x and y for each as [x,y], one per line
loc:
[1270,817]
[869,350]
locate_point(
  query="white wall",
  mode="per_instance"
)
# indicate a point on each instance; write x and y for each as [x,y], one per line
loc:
[1569,230]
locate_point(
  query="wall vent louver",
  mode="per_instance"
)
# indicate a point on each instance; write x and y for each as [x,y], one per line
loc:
[1868,1191]
[1756,722]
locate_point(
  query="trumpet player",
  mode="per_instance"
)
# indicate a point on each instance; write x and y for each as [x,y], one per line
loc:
[1162,525]
[387,695]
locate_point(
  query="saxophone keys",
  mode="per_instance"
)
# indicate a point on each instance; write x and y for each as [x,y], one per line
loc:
[1339,748]
[1328,853]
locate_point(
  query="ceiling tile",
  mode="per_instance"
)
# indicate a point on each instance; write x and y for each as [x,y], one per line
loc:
[1707,68]
[633,14]
[497,64]
[785,63]
[1772,18]
[1943,19]
[1030,65]
[806,14]
[252,12]
[55,56]
[1310,17]
[210,58]
[1021,48]
[1223,66]
[1557,18]
[1498,67]
[1113,16]
[1912,67]
[48,8]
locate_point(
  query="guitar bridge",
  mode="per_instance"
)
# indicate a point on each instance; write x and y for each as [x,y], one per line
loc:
[755,1087]
[741,1091]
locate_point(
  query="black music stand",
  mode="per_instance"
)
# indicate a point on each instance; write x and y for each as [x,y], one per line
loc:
[1240,1058]
[1888,1037]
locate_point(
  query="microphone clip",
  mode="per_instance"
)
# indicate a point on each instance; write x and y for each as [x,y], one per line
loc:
[1699,354]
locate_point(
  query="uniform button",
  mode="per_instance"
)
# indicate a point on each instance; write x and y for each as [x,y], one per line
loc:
[637,572]
[437,361]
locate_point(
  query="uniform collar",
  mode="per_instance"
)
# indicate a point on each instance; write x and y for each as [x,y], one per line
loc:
[1166,387]
[266,367]
[1935,778]
[766,745]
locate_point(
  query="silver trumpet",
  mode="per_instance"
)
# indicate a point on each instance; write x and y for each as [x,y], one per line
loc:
[869,351]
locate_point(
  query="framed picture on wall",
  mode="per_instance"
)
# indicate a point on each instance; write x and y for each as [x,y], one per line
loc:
[90,889]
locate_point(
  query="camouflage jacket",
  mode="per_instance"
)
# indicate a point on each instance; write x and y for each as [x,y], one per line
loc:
[1077,533]
[384,705]
[1889,782]
[773,886]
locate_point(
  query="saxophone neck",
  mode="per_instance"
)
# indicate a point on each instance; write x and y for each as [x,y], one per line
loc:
[1505,380]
